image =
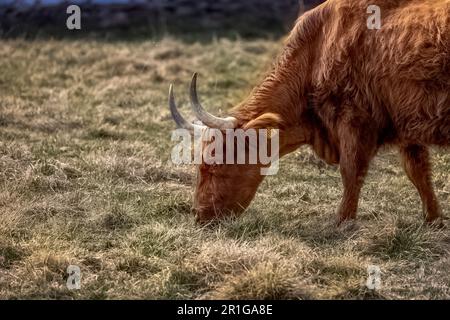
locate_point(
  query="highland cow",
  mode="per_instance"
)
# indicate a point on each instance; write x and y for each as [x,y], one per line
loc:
[346,91]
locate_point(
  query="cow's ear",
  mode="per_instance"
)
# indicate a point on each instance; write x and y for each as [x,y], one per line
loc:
[267,120]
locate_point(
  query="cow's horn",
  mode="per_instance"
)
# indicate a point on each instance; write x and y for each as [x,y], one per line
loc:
[204,116]
[179,120]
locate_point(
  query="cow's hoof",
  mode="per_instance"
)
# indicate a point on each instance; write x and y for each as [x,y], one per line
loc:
[347,224]
[437,223]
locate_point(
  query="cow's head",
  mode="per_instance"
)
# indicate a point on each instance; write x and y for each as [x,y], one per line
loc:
[221,189]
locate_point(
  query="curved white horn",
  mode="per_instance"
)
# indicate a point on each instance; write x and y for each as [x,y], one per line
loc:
[179,120]
[204,116]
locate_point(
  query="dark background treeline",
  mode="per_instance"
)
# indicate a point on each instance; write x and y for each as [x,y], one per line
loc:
[30,18]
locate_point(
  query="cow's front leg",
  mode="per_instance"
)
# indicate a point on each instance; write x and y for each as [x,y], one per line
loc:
[357,148]
[415,159]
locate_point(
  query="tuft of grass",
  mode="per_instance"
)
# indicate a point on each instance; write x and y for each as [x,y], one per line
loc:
[265,281]
[10,254]
[407,241]
[104,133]
[117,218]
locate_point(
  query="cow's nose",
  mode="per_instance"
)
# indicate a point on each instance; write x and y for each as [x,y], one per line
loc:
[202,217]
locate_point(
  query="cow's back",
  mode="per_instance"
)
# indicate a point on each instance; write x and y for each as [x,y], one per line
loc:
[399,74]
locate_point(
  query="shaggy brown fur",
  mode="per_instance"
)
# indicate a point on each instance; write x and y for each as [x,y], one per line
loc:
[346,91]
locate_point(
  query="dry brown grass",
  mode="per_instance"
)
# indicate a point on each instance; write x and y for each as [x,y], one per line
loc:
[85,179]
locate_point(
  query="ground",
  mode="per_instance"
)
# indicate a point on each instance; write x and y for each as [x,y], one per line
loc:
[85,179]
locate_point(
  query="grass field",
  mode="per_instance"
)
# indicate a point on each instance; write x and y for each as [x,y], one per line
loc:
[85,180]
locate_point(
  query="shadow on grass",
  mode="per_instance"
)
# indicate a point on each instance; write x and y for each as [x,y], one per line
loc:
[317,231]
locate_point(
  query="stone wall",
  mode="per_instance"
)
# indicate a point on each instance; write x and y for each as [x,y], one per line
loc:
[197,14]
